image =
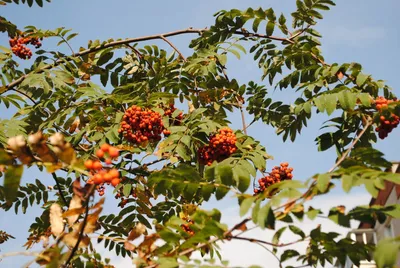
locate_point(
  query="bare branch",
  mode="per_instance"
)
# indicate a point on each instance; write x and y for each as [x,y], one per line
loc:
[174,47]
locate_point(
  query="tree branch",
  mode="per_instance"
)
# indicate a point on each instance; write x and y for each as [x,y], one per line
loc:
[84,222]
[358,137]
[253,240]
[59,189]
[133,40]
[174,47]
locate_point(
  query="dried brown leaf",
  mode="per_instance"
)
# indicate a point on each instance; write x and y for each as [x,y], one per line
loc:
[129,246]
[91,224]
[56,219]
[75,209]
[72,238]
[137,231]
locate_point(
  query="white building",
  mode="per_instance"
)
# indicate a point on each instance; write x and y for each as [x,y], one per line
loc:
[368,233]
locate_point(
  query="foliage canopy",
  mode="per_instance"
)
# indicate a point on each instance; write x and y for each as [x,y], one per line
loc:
[105,116]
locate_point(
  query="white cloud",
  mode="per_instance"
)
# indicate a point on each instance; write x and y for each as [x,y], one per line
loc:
[243,254]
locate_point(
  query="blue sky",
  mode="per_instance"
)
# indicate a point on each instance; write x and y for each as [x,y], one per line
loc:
[354,31]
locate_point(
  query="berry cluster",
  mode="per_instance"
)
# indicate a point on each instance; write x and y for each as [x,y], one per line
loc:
[387,123]
[278,174]
[140,125]
[100,176]
[108,152]
[186,226]
[221,146]
[19,48]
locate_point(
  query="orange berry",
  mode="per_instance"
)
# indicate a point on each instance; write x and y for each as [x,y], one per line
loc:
[107,177]
[115,182]
[105,147]
[98,179]
[97,165]
[113,152]
[100,153]
[89,164]
[114,173]
[108,161]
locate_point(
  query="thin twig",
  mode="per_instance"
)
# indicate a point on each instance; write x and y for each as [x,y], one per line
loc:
[26,95]
[84,222]
[59,189]
[174,47]
[23,253]
[270,251]
[242,115]
[141,56]
[300,32]
[253,240]
[65,41]
[367,125]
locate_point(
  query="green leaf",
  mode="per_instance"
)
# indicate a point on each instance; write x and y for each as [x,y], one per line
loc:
[11,182]
[347,183]
[339,217]
[5,158]
[361,78]
[127,190]
[330,103]
[297,231]
[386,253]
[347,99]
[105,57]
[266,217]
[289,253]
[270,28]
[242,177]
[312,213]
[365,99]
[246,205]
[224,173]
[256,23]
[323,181]
[282,19]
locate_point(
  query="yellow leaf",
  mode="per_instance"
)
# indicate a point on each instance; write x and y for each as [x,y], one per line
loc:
[53,167]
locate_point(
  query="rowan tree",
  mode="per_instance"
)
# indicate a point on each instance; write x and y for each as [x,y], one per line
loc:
[161,141]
